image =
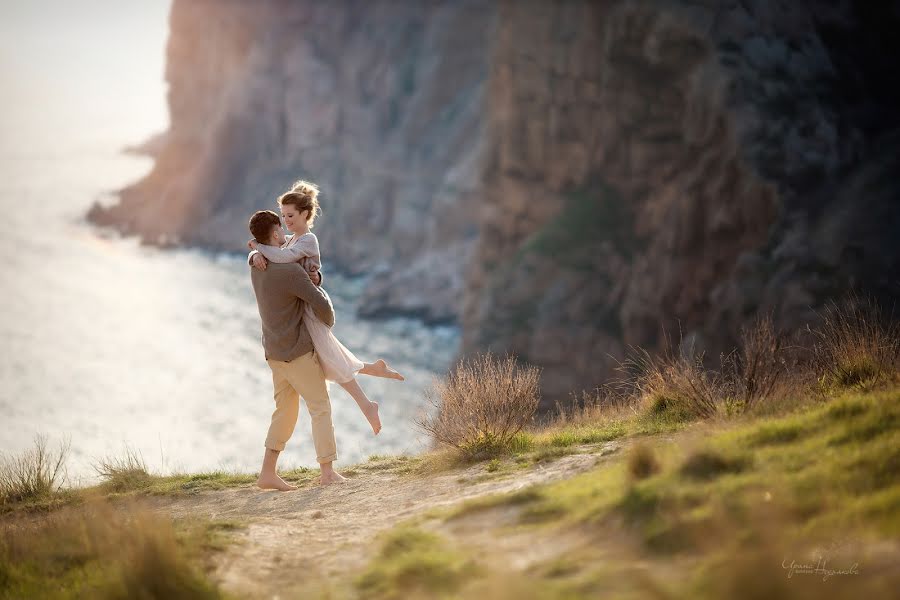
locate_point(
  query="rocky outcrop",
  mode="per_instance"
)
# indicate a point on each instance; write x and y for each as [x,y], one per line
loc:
[378,101]
[677,168]
[566,179]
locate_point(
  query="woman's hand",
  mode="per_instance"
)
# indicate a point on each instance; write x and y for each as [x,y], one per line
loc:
[259,262]
[252,244]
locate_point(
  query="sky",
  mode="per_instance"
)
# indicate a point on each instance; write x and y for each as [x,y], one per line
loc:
[91,69]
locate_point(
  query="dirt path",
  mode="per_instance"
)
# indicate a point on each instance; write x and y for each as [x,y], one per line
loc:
[323,532]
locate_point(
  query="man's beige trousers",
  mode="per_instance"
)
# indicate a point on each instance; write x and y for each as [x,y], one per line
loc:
[302,376]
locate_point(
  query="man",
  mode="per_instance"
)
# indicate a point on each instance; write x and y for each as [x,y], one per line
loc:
[281,291]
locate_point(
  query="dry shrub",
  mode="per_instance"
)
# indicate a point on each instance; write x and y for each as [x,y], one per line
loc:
[124,473]
[681,387]
[676,387]
[856,344]
[757,371]
[482,405]
[98,551]
[36,474]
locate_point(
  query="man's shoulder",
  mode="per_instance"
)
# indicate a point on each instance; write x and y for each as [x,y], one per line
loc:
[278,270]
[274,267]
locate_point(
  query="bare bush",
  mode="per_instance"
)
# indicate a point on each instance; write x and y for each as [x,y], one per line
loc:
[757,370]
[35,474]
[124,473]
[676,386]
[763,367]
[856,344]
[482,404]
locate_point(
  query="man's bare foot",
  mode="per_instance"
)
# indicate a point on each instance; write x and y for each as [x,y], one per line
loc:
[274,482]
[379,368]
[372,417]
[331,477]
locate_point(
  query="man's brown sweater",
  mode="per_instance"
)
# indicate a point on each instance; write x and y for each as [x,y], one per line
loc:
[281,293]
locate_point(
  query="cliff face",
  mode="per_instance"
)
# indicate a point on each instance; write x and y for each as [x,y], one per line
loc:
[585,175]
[679,167]
[380,102]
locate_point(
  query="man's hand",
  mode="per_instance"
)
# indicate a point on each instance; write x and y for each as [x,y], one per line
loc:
[259,262]
[315,276]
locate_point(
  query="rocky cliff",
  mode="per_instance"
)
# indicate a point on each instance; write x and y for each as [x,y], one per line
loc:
[680,167]
[378,101]
[585,175]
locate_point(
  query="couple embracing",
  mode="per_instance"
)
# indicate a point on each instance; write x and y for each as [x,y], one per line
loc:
[300,348]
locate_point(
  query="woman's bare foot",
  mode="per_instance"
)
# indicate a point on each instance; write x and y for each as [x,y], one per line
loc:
[379,368]
[330,477]
[372,416]
[274,482]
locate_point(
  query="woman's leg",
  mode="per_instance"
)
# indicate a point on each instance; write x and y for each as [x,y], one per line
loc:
[368,408]
[379,368]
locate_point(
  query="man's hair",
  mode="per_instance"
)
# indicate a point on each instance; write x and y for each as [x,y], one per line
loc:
[261,224]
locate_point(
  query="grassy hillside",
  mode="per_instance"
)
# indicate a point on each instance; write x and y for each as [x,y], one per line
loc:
[718,510]
[766,478]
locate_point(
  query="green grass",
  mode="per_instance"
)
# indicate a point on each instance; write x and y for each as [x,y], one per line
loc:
[669,408]
[410,562]
[566,438]
[728,500]
[548,443]
[44,503]
[487,446]
[127,477]
[588,433]
[861,372]
[98,551]
[818,463]
[180,484]
[129,482]
[138,483]
[709,464]
[553,441]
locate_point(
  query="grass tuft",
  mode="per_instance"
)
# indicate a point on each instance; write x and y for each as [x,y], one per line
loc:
[412,562]
[98,551]
[774,432]
[34,476]
[857,345]
[124,473]
[674,387]
[709,464]
[642,461]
